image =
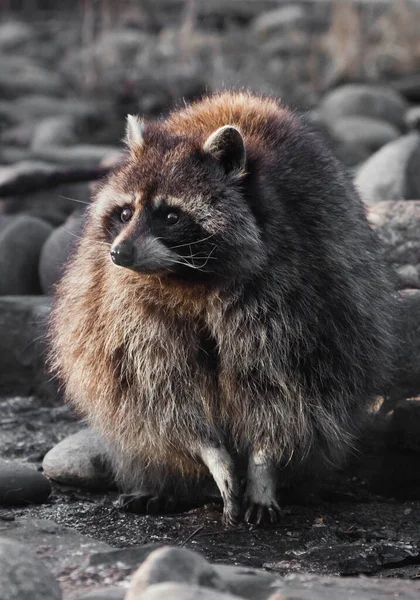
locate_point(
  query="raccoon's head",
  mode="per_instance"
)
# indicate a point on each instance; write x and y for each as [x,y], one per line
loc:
[178,208]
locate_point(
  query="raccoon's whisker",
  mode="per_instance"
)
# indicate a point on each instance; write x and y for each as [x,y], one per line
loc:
[191,243]
[74,200]
[185,263]
[81,237]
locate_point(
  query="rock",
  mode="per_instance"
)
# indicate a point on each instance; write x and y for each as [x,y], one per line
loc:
[279,20]
[180,591]
[129,557]
[406,380]
[23,321]
[14,35]
[370,134]
[21,242]
[408,86]
[363,100]
[82,155]
[62,549]
[104,594]
[404,427]
[23,576]
[313,587]
[79,460]
[38,106]
[408,276]
[393,172]
[397,225]
[20,485]
[177,565]
[53,131]
[57,250]
[412,117]
[247,582]
[19,76]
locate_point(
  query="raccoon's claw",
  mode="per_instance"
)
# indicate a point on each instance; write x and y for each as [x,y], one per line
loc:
[231,515]
[147,503]
[262,514]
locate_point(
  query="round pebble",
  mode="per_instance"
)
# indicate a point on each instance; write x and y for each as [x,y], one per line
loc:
[79,460]
[177,565]
[21,485]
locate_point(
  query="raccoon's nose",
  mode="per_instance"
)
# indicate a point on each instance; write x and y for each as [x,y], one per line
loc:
[123,254]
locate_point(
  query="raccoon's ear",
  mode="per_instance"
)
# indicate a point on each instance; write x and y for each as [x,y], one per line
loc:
[227,145]
[134,131]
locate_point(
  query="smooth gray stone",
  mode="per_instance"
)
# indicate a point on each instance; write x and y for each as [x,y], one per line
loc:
[21,241]
[375,101]
[393,172]
[176,565]
[21,485]
[79,460]
[23,324]
[23,576]
[180,591]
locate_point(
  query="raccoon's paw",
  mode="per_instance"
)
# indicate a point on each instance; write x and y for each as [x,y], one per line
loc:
[262,514]
[147,503]
[231,514]
[261,506]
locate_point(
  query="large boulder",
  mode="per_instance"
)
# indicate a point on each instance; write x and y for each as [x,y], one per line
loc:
[392,173]
[406,379]
[23,576]
[370,134]
[397,223]
[376,102]
[21,241]
[23,322]
[57,250]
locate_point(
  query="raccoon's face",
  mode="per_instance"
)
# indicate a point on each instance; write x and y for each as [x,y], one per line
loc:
[178,209]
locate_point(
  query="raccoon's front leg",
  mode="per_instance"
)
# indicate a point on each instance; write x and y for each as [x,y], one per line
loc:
[260,495]
[222,468]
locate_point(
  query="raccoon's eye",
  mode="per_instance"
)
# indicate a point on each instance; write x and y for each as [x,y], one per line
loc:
[172,218]
[126,214]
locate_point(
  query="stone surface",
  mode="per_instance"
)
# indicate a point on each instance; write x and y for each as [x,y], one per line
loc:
[278,20]
[177,565]
[397,223]
[62,549]
[393,172]
[23,321]
[53,131]
[23,576]
[57,250]
[80,155]
[369,134]
[406,382]
[130,557]
[104,594]
[20,485]
[179,591]
[79,460]
[363,100]
[21,242]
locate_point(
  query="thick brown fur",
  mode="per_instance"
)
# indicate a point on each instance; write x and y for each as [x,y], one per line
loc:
[297,322]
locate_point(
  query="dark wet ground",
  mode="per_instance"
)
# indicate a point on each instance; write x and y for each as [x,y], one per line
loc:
[353,532]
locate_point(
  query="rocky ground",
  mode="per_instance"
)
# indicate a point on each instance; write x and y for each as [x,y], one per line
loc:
[64,93]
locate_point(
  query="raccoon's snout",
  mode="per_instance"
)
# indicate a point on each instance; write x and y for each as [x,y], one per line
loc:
[123,254]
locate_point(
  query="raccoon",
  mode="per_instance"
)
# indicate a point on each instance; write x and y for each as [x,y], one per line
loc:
[227,304]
